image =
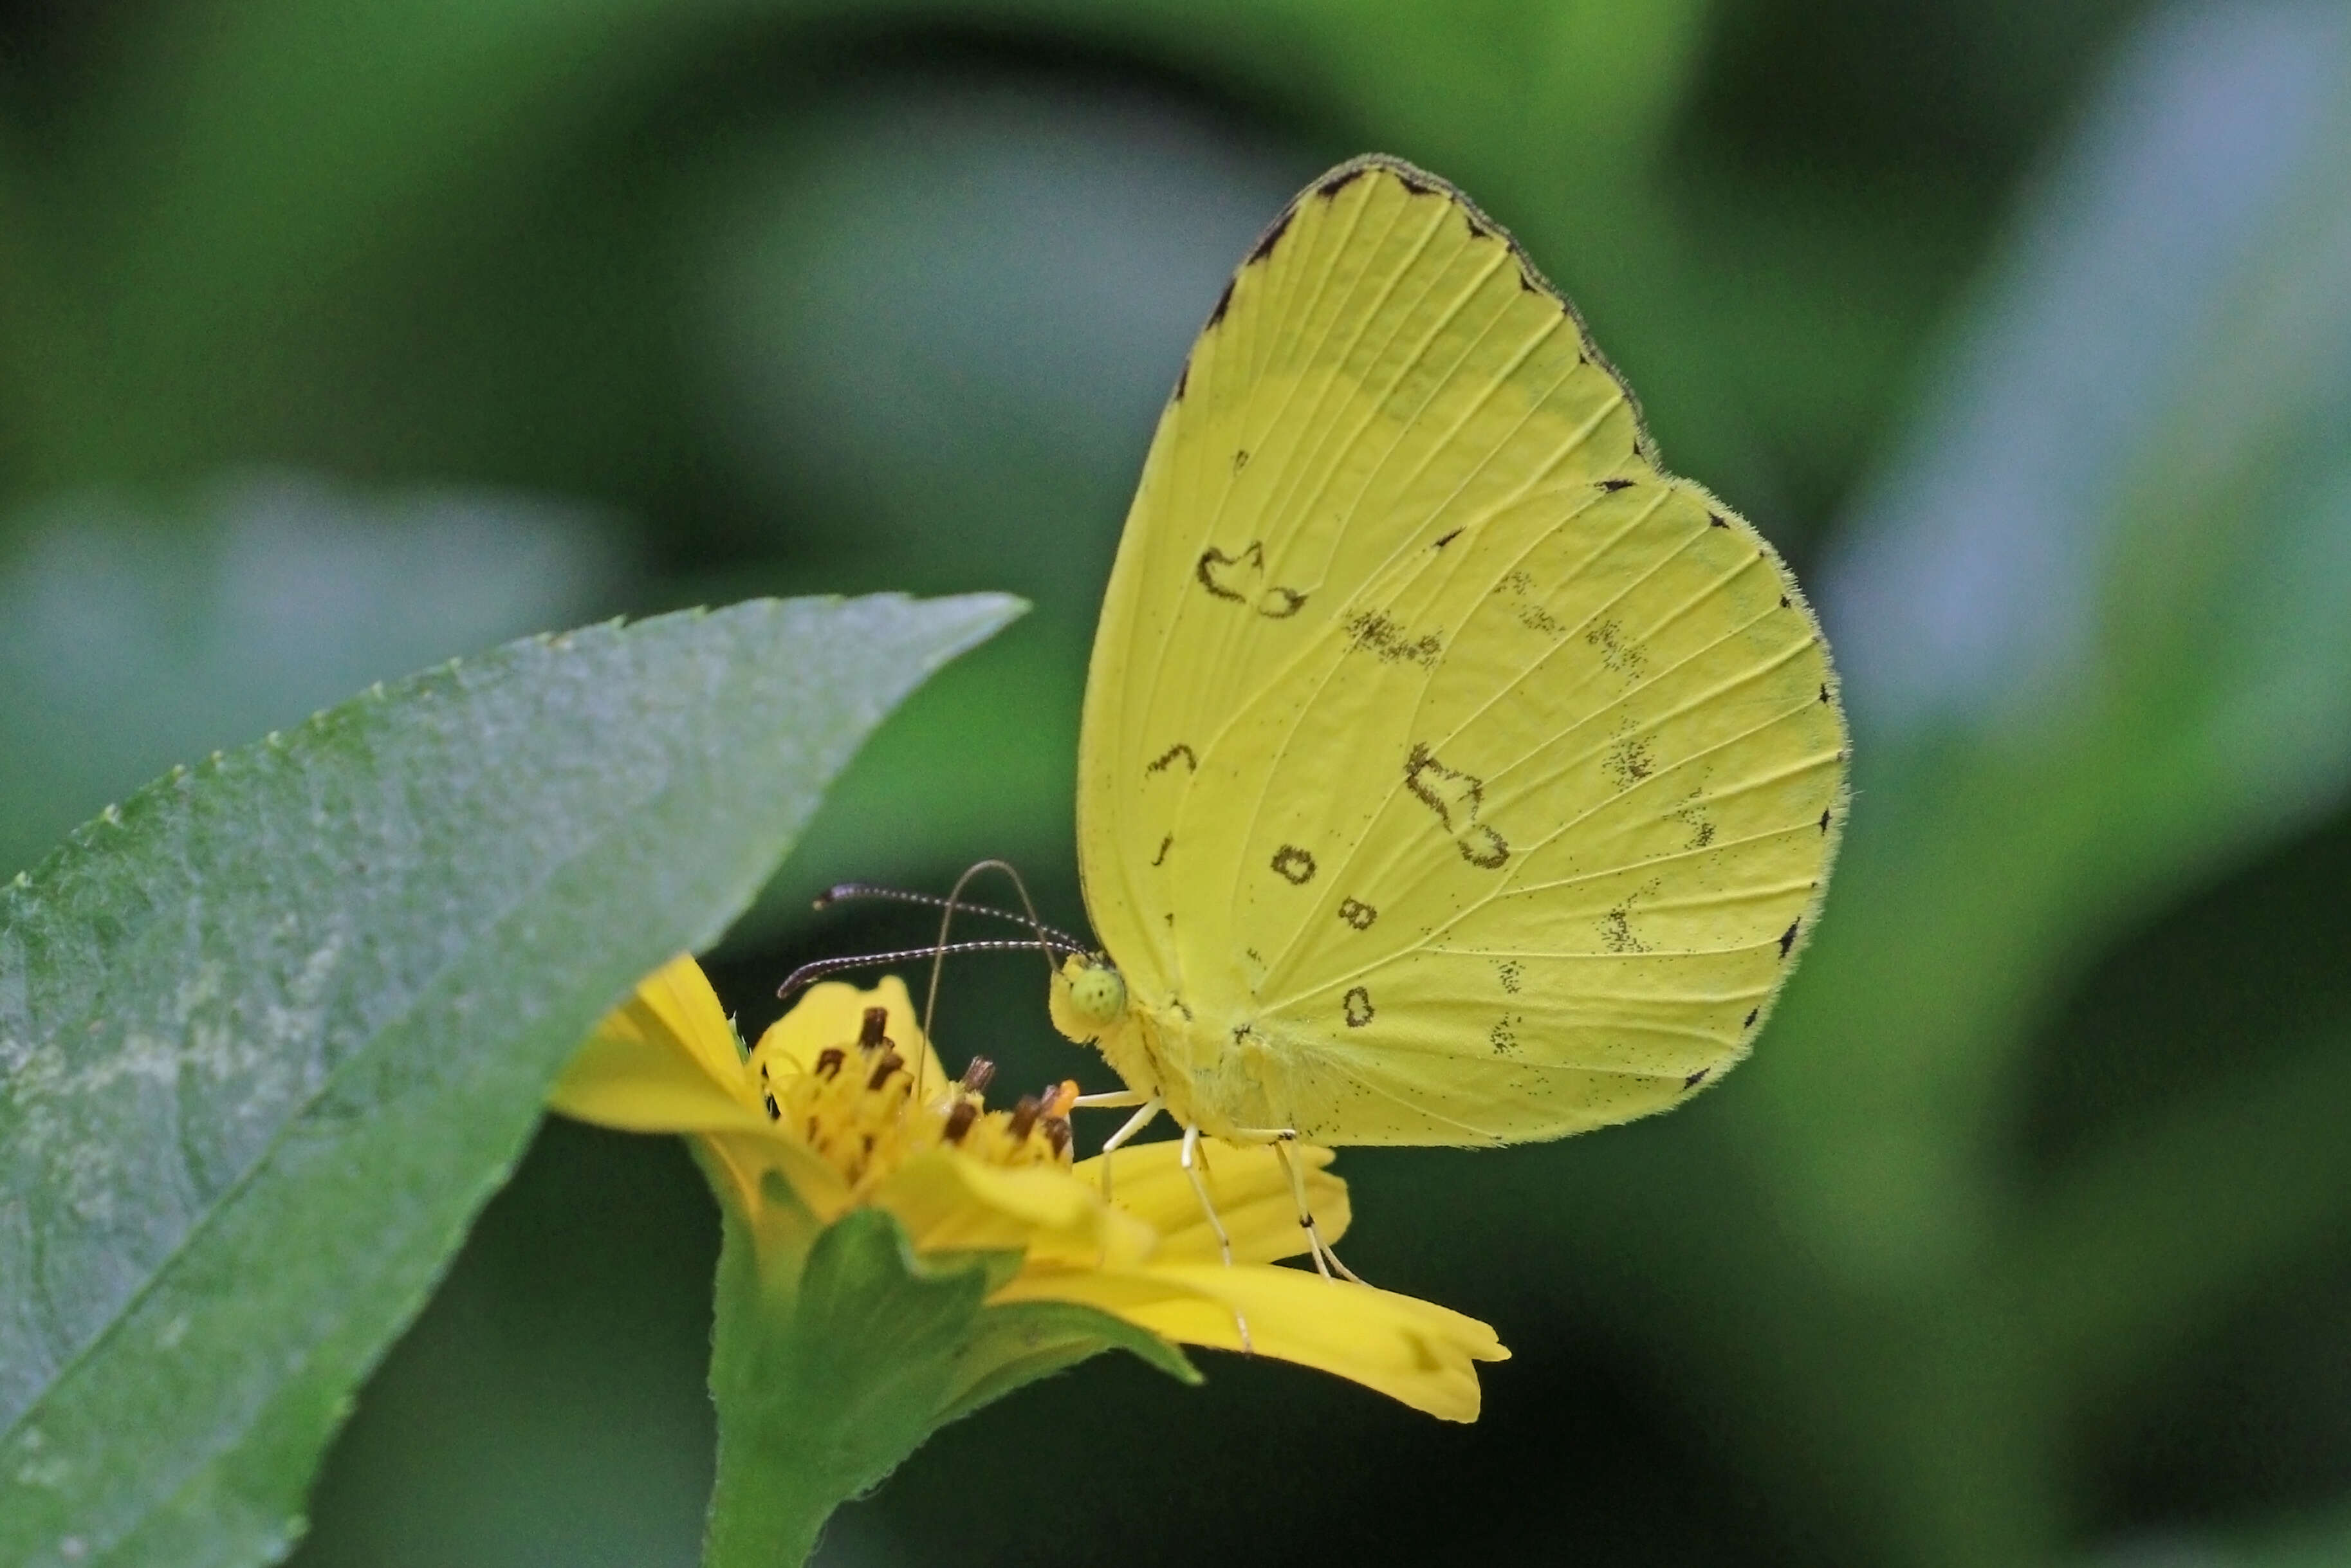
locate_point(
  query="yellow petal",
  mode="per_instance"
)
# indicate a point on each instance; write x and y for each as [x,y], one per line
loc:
[950,1202]
[1409,1350]
[831,1015]
[664,1061]
[1244,1182]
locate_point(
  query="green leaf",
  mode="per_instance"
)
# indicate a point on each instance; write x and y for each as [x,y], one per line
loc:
[273,1029]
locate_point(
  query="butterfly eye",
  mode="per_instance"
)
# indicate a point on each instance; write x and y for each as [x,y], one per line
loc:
[1098,993]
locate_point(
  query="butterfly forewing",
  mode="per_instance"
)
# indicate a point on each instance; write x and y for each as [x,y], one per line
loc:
[1449,773]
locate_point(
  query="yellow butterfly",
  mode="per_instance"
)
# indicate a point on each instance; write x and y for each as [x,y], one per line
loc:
[1450,773]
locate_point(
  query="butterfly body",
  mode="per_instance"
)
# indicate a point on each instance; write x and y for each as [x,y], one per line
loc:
[1450,774]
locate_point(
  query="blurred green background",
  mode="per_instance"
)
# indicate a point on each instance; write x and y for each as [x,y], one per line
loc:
[336,340]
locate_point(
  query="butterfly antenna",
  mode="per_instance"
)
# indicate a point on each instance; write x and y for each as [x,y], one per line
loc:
[949,905]
[809,973]
[850,891]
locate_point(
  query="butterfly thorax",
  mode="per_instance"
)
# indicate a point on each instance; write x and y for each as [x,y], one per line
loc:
[1216,1079]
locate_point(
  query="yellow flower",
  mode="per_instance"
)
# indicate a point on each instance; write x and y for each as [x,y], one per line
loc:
[843,1105]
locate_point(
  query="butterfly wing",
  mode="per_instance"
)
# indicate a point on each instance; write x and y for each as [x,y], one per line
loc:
[1449,774]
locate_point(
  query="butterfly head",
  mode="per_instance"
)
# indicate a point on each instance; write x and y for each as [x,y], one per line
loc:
[1089,997]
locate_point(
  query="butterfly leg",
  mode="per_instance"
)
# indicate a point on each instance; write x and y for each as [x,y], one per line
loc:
[1190,1161]
[1326,1258]
[1112,1100]
[1152,1105]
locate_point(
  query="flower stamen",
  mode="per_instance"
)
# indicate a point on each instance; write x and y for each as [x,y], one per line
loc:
[866,1125]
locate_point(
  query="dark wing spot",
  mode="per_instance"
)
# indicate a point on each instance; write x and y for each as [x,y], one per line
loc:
[1358,914]
[1423,777]
[1235,578]
[1527,282]
[1456,798]
[1280,603]
[1419,186]
[1752,1014]
[1824,820]
[1377,634]
[1783,601]
[1357,1004]
[1240,461]
[1613,484]
[1191,763]
[1339,180]
[1824,691]
[1503,1037]
[1693,816]
[1482,847]
[1787,938]
[1447,540]
[1628,759]
[1160,858]
[1714,520]
[1695,1079]
[1619,653]
[1535,618]
[1213,561]
[1616,931]
[1293,865]
[1183,379]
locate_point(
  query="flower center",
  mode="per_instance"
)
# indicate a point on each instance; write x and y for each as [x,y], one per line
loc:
[856,1106]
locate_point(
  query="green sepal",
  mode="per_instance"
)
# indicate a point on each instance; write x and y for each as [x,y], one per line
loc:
[834,1359]
[1023,1341]
[824,1385]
